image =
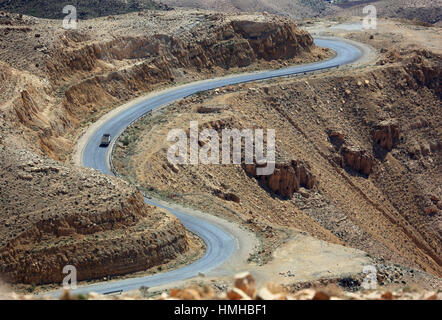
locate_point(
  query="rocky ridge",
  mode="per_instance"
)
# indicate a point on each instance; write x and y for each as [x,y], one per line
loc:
[96,223]
[68,78]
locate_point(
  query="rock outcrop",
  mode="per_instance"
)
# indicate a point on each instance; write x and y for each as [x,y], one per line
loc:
[337,138]
[357,159]
[230,43]
[226,196]
[53,215]
[272,41]
[387,134]
[346,154]
[421,67]
[287,177]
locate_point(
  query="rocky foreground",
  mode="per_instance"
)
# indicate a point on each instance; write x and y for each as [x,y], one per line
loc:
[244,288]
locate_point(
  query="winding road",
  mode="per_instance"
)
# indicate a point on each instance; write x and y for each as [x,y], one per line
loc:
[220,242]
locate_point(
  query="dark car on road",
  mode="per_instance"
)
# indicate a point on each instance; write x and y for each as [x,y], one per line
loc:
[105,140]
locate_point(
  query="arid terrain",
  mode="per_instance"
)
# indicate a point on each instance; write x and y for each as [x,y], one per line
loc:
[296,9]
[67,79]
[89,220]
[428,11]
[86,9]
[358,148]
[54,213]
[367,144]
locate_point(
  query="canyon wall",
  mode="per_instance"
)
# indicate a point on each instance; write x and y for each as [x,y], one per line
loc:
[55,82]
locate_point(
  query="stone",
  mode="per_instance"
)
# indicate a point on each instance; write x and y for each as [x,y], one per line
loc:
[266,294]
[387,295]
[237,294]
[321,295]
[246,283]
[287,178]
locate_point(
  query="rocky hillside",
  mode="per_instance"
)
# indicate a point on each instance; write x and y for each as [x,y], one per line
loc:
[62,80]
[86,9]
[358,158]
[53,215]
[429,11]
[55,82]
[296,9]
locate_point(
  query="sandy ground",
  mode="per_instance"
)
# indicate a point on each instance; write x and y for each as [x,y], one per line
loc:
[305,258]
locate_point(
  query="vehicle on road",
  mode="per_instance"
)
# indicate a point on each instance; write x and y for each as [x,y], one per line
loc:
[105,140]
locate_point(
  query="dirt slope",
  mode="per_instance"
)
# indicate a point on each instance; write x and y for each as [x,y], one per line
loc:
[371,139]
[296,9]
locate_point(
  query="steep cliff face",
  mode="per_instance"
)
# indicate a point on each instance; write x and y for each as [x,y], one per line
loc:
[357,159]
[273,40]
[230,42]
[387,134]
[55,81]
[53,215]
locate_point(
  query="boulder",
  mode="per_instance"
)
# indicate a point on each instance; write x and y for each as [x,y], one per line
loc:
[246,283]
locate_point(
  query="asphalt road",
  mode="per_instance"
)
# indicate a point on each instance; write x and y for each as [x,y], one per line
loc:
[219,241]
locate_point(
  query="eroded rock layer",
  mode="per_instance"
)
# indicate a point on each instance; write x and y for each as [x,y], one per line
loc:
[286,179]
[66,78]
[53,215]
[55,82]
